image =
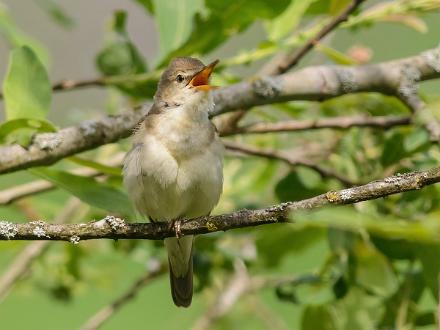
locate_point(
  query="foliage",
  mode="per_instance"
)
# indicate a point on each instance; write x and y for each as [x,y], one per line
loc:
[373,265]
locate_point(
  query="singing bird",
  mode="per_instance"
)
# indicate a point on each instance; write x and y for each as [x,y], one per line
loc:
[175,169]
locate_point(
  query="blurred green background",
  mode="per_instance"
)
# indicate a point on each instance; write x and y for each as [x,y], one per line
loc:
[376,262]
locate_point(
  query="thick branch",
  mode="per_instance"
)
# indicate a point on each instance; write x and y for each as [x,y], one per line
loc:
[114,228]
[48,148]
[312,83]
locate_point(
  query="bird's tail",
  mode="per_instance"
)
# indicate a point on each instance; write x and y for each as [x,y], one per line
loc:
[181,269]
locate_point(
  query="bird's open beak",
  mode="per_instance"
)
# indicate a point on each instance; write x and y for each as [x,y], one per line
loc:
[200,81]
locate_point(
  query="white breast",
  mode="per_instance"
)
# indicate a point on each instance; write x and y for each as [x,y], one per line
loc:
[185,183]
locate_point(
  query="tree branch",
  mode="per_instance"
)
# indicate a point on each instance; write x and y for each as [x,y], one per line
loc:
[15,193]
[290,60]
[21,265]
[115,228]
[312,83]
[383,122]
[98,319]
[289,159]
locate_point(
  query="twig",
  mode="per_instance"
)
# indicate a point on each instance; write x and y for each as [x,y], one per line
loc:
[293,59]
[98,319]
[312,83]
[290,160]
[22,263]
[240,284]
[114,228]
[284,62]
[69,84]
[13,194]
[383,122]
[270,319]
[236,287]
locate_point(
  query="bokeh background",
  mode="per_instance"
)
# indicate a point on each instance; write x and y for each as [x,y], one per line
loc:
[69,283]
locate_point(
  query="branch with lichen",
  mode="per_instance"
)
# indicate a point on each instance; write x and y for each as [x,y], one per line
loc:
[311,83]
[116,228]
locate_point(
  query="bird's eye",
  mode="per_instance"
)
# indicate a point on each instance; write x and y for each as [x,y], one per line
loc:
[180,78]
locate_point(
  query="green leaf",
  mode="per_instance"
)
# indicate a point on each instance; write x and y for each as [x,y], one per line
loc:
[406,297]
[120,57]
[373,270]
[95,165]
[26,88]
[13,125]
[416,140]
[174,20]
[393,149]
[147,4]
[359,310]
[428,254]
[90,191]
[57,13]
[319,7]
[299,185]
[323,317]
[281,240]
[225,19]
[280,26]
[335,55]
[337,6]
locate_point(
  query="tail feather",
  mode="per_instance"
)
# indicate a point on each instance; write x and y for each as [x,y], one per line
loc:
[182,287]
[181,269]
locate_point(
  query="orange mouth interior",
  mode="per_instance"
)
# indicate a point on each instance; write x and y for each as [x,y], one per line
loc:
[201,79]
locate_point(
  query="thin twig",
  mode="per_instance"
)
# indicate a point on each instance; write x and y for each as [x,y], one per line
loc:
[98,319]
[290,160]
[20,266]
[16,193]
[240,284]
[383,122]
[237,286]
[114,228]
[293,59]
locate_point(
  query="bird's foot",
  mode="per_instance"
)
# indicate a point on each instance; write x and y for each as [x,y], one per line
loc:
[176,226]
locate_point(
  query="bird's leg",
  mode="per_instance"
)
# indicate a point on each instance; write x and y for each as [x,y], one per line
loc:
[176,226]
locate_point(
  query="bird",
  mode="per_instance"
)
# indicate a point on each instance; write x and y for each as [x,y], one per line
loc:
[174,170]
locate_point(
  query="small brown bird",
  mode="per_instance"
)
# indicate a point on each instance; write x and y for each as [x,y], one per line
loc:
[175,168]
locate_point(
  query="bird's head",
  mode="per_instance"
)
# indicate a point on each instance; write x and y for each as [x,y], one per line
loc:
[185,80]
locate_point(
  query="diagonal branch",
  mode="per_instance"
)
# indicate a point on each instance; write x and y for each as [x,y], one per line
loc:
[291,60]
[115,228]
[23,262]
[312,83]
[291,160]
[98,319]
